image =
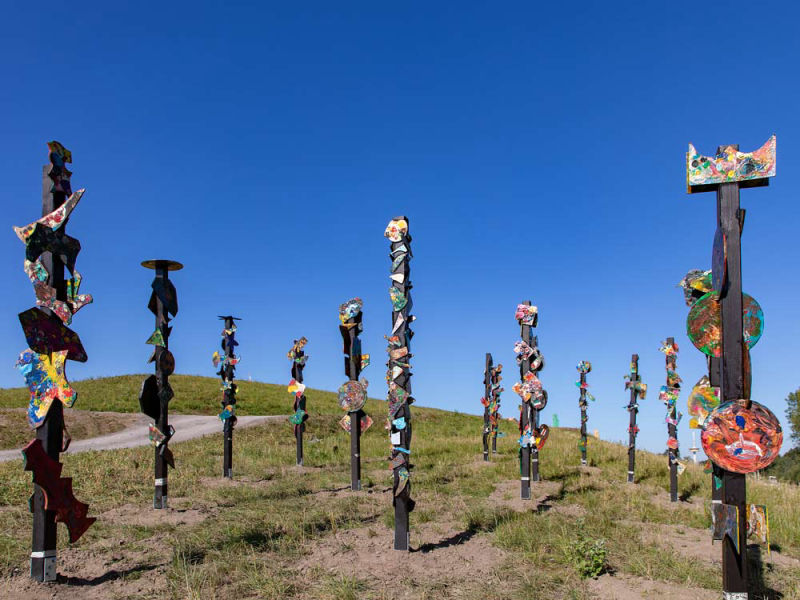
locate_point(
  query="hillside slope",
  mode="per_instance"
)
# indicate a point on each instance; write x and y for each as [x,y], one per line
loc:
[278,531]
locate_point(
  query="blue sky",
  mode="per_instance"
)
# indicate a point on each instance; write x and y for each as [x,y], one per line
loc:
[538,151]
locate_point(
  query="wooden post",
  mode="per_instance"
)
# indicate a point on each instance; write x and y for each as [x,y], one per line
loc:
[400,398]
[163,302]
[584,417]
[486,401]
[735,577]
[229,388]
[43,548]
[350,329]
[298,357]
[634,384]
[527,420]
[496,391]
[670,394]
[726,173]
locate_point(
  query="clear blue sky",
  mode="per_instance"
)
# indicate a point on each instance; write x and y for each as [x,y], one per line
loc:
[538,150]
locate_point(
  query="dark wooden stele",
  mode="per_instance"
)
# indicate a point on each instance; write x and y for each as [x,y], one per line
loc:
[400,398]
[227,372]
[730,220]
[298,357]
[487,392]
[156,390]
[528,416]
[56,189]
[352,368]
[584,416]
[633,383]
[672,423]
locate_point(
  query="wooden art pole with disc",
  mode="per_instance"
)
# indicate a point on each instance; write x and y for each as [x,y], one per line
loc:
[486,401]
[740,435]
[399,377]
[669,396]
[529,388]
[227,362]
[638,389]
[48,251]
[299,358]
[156,390]
[353,393]
[494,417]
[584,367]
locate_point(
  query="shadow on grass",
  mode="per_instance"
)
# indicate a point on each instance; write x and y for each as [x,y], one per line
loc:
[111,575]
[759,589]
[688,492]
[454,540]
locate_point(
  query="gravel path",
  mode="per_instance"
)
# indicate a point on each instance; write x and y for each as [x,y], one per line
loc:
[186,428]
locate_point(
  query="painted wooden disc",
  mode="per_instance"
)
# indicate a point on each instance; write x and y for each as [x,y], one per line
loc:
[704,323]
[352,396]
[742,440]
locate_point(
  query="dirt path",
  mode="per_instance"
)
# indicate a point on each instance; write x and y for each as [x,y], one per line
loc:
[186,428]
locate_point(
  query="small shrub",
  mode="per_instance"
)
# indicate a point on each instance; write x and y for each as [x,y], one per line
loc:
[588,555]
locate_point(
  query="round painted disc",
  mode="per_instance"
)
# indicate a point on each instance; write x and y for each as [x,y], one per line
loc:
[704,323]
[742,440]
[352,396]
[171,265]
[167,362]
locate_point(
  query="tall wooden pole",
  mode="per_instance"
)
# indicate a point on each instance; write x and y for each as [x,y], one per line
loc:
[496,391]
[526,415]
[298,357]
[486,401]
[156,391]
[584,419]
[48,251]
[229,388]
[634,384]
[735,577]
[350,316]
[726,173]
[400,398]
[669,395]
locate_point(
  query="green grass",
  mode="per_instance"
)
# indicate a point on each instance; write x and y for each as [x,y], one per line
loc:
[257,530]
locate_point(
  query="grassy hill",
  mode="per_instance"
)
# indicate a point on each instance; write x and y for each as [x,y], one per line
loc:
[278,531]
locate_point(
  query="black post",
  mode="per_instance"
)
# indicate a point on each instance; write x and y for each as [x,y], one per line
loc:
[353,394]
[48,251]
[725,173]
[156,391]
[735,577]
[399,376]
[530,391]
[635,385]
[227,363]
[669,395]
[298,357]
[583,367]
[487,401]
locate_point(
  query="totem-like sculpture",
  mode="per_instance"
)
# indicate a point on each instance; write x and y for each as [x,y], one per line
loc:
[227,362]
[583,368]
[534,398]
[353,393]
[633,382]
[399,376]
[491,404]
[740,435]
[48,250]
[156,392]
[669,396]
[299,358]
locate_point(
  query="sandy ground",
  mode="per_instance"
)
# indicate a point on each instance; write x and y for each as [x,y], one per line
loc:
[186,428]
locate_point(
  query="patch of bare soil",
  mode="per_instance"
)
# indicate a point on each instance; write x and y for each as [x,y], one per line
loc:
[506,495]
[179,512]
[628,587]
[99,574]
[441,554]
